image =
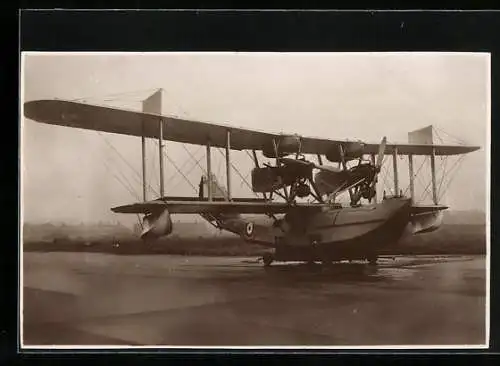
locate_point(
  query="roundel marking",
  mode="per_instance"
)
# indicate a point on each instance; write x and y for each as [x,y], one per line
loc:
[249,229]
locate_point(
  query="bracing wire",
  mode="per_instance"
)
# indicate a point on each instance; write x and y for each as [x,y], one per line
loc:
[175,166]
[129,189]
[385,183]
[443,174]
[437,134]
[250,172]
[186,161]
[119,155]
[115,95]
[180,172]
[243,181]
[124,178]
[416,174]
[119,180]
[419,178]
[426,192]
[187,173]
[453,169]
[137,175]
[203,170]
[460,141]
[241,176]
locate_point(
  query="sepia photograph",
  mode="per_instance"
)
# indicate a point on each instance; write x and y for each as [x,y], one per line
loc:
[233,200]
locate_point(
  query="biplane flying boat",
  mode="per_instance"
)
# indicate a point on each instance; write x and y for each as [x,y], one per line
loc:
[319,230]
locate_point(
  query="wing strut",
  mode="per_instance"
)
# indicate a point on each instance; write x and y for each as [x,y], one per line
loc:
[412,177]
[209,172]
[344,166]
[374,162]
[144,183]
[160,151]
[433,173]
[152,104]
[395,168]
[228,164]
[256,162]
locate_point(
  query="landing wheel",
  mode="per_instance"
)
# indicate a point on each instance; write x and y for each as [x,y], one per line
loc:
[267,259]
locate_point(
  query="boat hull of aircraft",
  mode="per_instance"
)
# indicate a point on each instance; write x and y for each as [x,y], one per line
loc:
[355,235]
[342,233]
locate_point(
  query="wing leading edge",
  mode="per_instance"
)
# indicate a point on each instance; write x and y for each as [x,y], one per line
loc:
[197,207]
[133,123]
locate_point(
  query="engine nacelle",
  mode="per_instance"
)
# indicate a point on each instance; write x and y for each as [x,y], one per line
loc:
[286,145]
[352,150]
[156,225]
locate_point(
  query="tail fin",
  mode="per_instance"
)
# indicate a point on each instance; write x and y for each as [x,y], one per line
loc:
[422,136]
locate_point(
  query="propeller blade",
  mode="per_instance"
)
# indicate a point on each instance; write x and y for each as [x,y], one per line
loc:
[342,157]
[381,152]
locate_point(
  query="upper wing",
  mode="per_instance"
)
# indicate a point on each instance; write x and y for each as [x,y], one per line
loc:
[311,145]
[126,122]
[196,207]
[122,121]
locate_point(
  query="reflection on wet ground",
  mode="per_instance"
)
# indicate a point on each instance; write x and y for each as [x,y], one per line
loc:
[89,298]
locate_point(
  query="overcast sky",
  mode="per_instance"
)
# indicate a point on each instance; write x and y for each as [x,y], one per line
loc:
[74,175]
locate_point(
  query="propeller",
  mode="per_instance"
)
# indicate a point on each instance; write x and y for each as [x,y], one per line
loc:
[378,167]
[381,152]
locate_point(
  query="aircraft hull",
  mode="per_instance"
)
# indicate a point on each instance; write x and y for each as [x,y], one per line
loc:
[353,233]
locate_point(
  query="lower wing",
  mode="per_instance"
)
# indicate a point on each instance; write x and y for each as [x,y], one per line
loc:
[426,209]
[196,207]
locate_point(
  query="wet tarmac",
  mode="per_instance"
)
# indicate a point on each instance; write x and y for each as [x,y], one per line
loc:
[103,299]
